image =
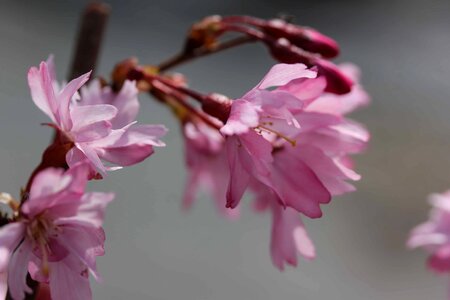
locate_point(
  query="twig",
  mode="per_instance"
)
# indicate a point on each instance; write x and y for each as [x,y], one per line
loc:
[89,40]
[183,57]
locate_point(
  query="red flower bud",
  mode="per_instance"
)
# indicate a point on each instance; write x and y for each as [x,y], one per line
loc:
[337,82]
[305,38]
[283,51]
[218,106]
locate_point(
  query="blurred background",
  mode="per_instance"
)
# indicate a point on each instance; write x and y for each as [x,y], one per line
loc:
[154,250]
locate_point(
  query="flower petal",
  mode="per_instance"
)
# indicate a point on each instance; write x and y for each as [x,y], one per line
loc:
[243,116]
[18,269]
[281,74]
[83,116]
[65,96]
[69,280]
[91,210]
[42,93]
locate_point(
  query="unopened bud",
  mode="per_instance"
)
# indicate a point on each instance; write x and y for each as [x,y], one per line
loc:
[121,71]
[337,81]
[303,37]
[204,34]
[283,51]
[218,106]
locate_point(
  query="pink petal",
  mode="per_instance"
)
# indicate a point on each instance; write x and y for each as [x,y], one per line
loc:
[91,211]
[83,116]
[18,269]
[48,182]
[10,236]
[85,243]
[56,192]
[143,134]
[243,116]
[3,285]
[281,74]
[42,93]
[92,132]
[126,101]
[92,156]
[127,155]
[65,96]
[239,177]
[297,185]
[69,280]
[289,236]
[127,104]
[255,153]
[327,170]
[307,90]
[51,68]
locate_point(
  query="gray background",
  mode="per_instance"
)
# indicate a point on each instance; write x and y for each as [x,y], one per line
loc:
[154,251]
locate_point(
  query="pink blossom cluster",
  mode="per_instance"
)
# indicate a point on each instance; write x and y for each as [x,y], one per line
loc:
[289,142]
[56,233]
[434,234]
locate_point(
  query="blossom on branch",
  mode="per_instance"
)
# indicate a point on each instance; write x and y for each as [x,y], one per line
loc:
[434,234]
[100,125]
[56,236]
[276,136]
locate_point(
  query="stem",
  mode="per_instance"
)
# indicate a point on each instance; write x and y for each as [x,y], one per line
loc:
[182,58]
[175,95]
[191,93]
[89,39]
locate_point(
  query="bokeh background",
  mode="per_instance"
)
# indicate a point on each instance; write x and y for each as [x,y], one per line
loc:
[154,251]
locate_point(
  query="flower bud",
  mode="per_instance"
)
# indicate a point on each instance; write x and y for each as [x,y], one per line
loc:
[121,70]
[303,37]
[203,34]
[285,52]
[337,81]
[217,105]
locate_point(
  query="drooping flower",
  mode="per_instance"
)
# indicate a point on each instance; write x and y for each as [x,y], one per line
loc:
[276,137]
[434,234]
[207,165]
[261,116]
[288,234]
[56,237]
[298,159]
[100,124]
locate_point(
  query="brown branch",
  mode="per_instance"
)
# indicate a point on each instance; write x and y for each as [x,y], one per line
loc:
[89,39]
[185,57]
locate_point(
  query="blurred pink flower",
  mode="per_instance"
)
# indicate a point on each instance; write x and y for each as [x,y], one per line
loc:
[207,166]
[261,116]
[276,137]
[100,124]
[434,235]
[300,159]
[56,237]
[289,234]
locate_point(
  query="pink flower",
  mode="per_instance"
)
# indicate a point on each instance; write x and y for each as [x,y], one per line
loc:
[434,235]
[298,159]
[289,235]
[207,165]
[100,124]
[57,236]
[277,138]
[260,117]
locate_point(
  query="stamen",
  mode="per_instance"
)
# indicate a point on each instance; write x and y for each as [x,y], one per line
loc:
[278,134]
[7,199]
[45,267]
